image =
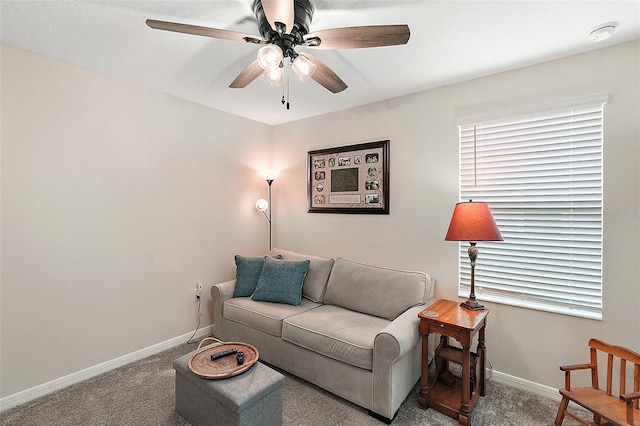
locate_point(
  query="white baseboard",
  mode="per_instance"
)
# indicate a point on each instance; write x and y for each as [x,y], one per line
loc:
[62,382]
[526,385]
[514,382]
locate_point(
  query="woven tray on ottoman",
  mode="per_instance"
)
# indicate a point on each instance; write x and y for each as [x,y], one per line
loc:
[253,397]
[202,364]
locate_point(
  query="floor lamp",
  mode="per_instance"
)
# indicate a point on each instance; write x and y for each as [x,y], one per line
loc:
[264,205]
[472,222]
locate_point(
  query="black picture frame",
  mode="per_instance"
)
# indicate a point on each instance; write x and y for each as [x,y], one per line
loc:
[349,179]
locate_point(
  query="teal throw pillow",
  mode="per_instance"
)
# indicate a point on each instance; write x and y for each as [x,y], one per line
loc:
[281,281]
[248,271]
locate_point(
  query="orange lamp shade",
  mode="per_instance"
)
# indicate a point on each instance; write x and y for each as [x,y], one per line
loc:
[472,221]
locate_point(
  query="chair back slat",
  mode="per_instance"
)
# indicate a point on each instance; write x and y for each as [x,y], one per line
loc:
[609,373]
[636,383]
[594,371]
[623,376]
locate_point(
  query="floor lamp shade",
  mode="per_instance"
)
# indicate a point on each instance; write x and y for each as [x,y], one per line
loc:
[472,222]
[270,174]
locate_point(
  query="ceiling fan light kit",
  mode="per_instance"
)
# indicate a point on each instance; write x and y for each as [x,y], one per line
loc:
[284,25]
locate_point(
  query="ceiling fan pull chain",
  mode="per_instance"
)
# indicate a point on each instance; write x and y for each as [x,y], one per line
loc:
[287,90]
[283,101]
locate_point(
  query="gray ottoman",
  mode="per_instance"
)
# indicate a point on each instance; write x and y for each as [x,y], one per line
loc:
[251,398]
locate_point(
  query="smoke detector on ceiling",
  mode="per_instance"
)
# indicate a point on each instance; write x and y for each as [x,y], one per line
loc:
[602,32]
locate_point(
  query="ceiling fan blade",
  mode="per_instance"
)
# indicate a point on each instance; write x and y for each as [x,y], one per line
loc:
[279,11]
[247,75]
[324,76]
[359,37]
[202,31]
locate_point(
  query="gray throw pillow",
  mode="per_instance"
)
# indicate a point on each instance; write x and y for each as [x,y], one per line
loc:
[281,281]
[248,271]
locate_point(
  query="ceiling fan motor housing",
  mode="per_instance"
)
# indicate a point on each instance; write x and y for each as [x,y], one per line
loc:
[303,10]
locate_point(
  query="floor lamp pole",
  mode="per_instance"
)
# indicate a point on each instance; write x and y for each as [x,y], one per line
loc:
[270,181]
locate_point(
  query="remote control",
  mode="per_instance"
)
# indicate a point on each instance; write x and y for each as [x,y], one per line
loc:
[222,354]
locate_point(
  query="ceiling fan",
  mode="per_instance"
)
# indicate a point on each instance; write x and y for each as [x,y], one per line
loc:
[284,25]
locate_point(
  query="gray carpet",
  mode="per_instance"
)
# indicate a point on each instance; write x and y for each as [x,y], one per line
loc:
[142,393]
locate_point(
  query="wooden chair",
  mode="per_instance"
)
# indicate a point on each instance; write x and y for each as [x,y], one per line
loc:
[619,410]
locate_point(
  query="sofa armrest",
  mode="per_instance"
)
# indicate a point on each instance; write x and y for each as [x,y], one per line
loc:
[399,337]
[220,293]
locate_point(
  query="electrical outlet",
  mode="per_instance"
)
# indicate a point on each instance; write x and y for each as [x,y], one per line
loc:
[198,291]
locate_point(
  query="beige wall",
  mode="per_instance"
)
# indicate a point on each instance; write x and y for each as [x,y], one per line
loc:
[115,200]
[422,129]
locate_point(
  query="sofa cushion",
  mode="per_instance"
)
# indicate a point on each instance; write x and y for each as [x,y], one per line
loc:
[373,290]
[281,281]
[248,270]
[315,283]
[335,332]
[264,316]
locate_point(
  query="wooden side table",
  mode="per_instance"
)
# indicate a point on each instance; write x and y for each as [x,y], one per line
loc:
[448,394]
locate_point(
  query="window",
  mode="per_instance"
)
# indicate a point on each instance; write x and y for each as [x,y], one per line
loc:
[541,174]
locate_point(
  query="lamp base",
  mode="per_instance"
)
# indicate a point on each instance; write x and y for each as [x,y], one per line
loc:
[472,305]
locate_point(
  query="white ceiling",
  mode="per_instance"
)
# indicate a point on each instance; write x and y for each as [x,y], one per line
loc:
[451,41]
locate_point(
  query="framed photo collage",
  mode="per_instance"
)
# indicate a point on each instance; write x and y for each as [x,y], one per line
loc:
[349,179]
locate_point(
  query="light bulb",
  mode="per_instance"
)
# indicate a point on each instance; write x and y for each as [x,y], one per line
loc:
[262,204]
[269,56]
[303,67]
[273,76]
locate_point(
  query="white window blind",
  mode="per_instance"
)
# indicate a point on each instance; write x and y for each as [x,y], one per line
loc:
[541,175]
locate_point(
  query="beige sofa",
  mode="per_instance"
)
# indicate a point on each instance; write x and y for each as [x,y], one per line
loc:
[355,332]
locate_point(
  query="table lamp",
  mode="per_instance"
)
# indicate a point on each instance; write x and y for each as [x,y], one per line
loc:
[473,222]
